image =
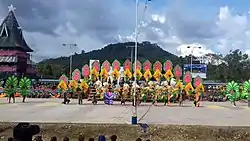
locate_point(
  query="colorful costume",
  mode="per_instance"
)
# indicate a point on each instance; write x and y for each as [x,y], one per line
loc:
[109,98]
[125,92]
[180,93]
[187,79]
[199,90]
[62,89]
[24,86]
[98,87]
[11,88]
[137,94]
[246,90]
[232,91]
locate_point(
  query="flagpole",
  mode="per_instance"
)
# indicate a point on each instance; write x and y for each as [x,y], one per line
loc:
[134,116]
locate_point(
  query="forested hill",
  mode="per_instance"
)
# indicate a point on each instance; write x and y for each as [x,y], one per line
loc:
[120,51]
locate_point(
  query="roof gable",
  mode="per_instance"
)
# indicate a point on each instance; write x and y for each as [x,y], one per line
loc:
[14,37]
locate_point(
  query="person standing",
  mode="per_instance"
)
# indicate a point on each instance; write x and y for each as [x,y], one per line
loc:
[79,92]
[65,98]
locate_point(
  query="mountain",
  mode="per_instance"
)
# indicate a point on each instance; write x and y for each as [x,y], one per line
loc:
[119,51]
[233,66]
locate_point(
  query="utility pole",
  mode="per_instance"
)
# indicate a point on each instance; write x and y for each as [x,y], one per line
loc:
[70,58]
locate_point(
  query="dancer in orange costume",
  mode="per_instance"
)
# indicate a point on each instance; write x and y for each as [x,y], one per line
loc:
[198,90]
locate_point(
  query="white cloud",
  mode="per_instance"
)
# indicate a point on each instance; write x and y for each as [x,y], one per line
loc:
[93,24]
[194,49]
[235,29]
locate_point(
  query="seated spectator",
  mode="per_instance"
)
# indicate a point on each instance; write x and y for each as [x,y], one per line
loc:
[81,137]
[138,139]
[91,139]
[113,138]
[101,138]
[53,139]
[66,138]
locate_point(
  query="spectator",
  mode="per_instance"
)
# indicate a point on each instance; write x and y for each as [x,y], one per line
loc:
[66,139]
[53,138]
[38,138]
[113,138]
[10,139]
[81,137]
[148,140]
[91,139]
[101,138]
[138,139]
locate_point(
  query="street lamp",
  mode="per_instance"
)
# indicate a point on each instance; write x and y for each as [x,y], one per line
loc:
[191,61]
[134,116]
[70,58]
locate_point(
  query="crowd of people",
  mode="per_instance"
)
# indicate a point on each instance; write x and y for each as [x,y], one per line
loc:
[26,132]
[81,137]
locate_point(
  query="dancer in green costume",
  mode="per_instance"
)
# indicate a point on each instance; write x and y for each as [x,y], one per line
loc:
[11,87]
[232,92]
[24,86]
[246,90]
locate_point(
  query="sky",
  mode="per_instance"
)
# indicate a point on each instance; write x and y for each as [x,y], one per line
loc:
[215,26]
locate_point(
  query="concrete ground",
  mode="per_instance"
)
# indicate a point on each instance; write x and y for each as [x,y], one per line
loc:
[51,110]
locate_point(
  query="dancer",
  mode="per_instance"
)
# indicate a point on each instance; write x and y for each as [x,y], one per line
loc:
[24,86]
[198,94]
[180,92]
[124,94]
[84,87]
[80,95]
[62,88]
[164,93]
[11,88]
[136,95]
[170,94]
[98,88]
[158,91]
[109,97]
[232,90]
[65,98]
[246,90]
[199,90]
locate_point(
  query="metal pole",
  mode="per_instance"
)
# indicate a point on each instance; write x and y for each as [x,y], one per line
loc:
[191,62]
[134,116]
[131,58]
[70,66]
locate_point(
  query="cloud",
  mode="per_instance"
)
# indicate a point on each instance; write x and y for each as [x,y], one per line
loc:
[195,49]
[91,24]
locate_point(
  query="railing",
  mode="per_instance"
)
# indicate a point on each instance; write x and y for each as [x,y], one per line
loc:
[13,53]
[8,68]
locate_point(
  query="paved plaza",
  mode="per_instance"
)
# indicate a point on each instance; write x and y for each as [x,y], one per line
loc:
[51,110]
